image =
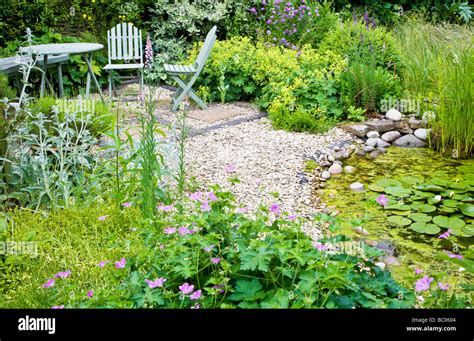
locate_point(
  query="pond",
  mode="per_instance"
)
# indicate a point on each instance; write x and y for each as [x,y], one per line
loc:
[420,196]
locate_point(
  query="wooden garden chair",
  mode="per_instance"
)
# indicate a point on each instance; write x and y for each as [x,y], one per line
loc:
[186,75]
[125,46]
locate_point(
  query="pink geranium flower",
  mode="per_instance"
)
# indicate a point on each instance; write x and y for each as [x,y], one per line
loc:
[443,286]
[275,209]
[320,247]
[127,204]
[205,207]
[156,283]
[445,235]
[57,307]
[49,283]
[90,293]
[102,263]
[169,230]
[63,274]
[291,217]
[196,295]
[423,284]
[166,208]
[183,230]
[102,218]
[186,288]
[452,255]
[418,271]
[121,263]
[215,260]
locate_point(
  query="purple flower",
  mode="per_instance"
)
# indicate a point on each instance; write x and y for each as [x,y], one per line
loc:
[253,10]
[102,263]
[166,208]
[269,21]
[102,218]
[57,307]
[169,230]
[382,200]
[211,196]
[63,274]
[49,283]
[242,210]
[320,247]
[366,19]
[298,54]
[354,17]
[418,271]
[452,255]
[275,209]
[215,260]
[196,306]
[183,230]
[205,207]
[121,263]
[90,293]
[269,32]
[162,246]
[291,217]
[196,295]
[127,204]
[186,288]
[445,235]
[148,52]
[208,248]
[156,283]
[423,284]
[219,287]
[443,287]
[374,24]
[196,196]
[141,96]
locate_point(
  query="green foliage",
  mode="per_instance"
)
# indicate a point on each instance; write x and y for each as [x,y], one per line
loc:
[435,61]
[174,28]
[364,86]
[296,23]
[300,94]
[236,261]
[65,239]
[361,44]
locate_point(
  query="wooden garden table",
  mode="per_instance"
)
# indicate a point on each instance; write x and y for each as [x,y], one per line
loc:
[84,49]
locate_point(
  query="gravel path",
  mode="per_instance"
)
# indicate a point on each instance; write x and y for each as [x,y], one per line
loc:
[265,160]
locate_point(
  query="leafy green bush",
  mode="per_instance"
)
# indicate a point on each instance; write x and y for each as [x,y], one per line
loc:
[227,259]
[361,44]
[294,23]
[299,94]
[174,28]
[99,121]
[364,86]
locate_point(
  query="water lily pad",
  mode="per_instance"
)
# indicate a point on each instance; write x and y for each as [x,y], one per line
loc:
[398,220]
[468,230]
[420,217]
[398,207]
[422,227]
[450,203]
[427,208]
[429,188]
[458,186]
[398,191]
[446,209]
[448,222]
[468,199]
[419,195]
[440,182]
[467,209]
[376,188]
[409,180]
[457,232]
[388,183]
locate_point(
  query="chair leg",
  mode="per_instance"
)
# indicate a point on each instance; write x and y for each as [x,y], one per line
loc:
[110,84]
[140,77]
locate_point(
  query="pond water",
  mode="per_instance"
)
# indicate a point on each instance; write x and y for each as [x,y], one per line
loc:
[427,194]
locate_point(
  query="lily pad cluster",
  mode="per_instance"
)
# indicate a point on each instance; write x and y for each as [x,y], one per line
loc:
[443,202]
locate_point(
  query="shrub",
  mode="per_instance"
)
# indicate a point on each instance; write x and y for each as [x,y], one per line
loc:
[364,86]
[294,23]
[299,94]
[360,43]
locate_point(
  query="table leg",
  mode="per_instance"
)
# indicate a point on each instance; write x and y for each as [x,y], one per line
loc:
[43,76]
[91,74]
[88,82]
[60,80]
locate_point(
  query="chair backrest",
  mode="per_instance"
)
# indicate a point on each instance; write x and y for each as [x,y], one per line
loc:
[125,43]
[205,50]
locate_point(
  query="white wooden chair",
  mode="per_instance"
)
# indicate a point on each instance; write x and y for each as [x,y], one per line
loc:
[125,46]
